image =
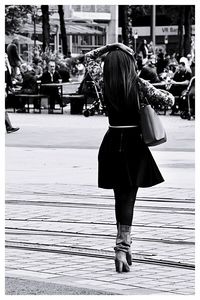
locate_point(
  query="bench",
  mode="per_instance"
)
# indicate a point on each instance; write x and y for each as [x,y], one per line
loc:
[30,97]
[30,100]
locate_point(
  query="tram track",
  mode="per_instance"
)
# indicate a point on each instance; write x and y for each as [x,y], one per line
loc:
[33,231]
[13,232]
[109,206]
[103,254]
[32,219]
[105,197]
[54,247]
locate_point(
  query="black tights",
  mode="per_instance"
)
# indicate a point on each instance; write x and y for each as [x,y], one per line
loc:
[124,204]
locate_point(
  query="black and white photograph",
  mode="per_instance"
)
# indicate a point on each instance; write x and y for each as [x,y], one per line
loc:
[99,148]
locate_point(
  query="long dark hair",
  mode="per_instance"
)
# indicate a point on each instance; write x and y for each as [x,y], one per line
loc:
[120,79]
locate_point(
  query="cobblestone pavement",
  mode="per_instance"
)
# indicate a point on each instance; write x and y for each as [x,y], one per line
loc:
[60,228]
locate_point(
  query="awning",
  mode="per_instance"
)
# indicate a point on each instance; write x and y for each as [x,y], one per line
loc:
[22,39]
[71,28]
[81,29]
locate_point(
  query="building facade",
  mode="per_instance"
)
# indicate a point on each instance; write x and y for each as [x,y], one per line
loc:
[91,26]
[102,21]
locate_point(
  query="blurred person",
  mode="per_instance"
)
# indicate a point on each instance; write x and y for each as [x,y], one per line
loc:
[68,60]
[160,54]
[160,61]
[9,127]
[181,79]
[191,63]
[29,82]
[81,69]
[189,58]
[179,83]
[37,68]
[14,57]
[166,60]
[149,71]
[51,76]
[187,101]
[29,86]
[173,63]
[143,51]
[139,62]
[186,62]
[166,76]
[193,66]
[64,72]
[8,89]
[37,52]
[191,95]
[150,49]
[125,162]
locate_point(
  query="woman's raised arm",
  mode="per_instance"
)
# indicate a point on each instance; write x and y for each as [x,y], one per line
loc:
[153,94]
[104,49]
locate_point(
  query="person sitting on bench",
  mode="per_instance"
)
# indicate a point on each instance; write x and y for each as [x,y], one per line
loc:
[28,86]
[51,76]
[179,82]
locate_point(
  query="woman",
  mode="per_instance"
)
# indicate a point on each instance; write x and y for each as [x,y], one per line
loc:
[125,162]
[143,51]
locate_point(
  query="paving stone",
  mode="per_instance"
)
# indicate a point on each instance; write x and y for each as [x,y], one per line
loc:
[73,204]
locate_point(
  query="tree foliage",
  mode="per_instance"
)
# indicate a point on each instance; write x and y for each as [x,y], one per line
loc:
[15,17]
[184,17]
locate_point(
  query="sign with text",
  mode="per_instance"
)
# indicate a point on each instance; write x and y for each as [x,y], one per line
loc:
[159,30]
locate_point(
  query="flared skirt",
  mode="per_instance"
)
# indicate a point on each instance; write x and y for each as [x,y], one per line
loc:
[125,161]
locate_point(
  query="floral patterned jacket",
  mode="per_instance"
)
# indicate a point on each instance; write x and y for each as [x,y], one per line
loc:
[153,95]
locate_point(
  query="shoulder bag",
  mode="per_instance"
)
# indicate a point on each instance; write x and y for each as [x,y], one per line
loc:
[153,132]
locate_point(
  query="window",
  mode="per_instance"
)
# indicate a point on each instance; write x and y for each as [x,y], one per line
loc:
[103,8]
[99,40]
[86,40]
[76,7]
[75,39]
[88,8]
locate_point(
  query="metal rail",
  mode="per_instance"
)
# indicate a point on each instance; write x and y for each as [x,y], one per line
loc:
[82,251]
[91,253]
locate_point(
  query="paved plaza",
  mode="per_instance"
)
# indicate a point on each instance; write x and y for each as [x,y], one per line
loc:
[60,228]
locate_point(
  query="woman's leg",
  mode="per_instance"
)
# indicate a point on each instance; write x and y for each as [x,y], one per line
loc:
[124,206]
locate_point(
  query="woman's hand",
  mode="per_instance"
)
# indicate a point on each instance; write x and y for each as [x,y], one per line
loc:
[90,54]
[102,50]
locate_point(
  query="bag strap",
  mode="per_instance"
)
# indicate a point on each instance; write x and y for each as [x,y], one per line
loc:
[140,85]
[138,98]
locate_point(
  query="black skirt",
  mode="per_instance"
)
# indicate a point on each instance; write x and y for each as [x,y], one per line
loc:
[125,161]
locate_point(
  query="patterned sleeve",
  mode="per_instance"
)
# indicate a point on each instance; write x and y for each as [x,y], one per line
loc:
[154,95]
